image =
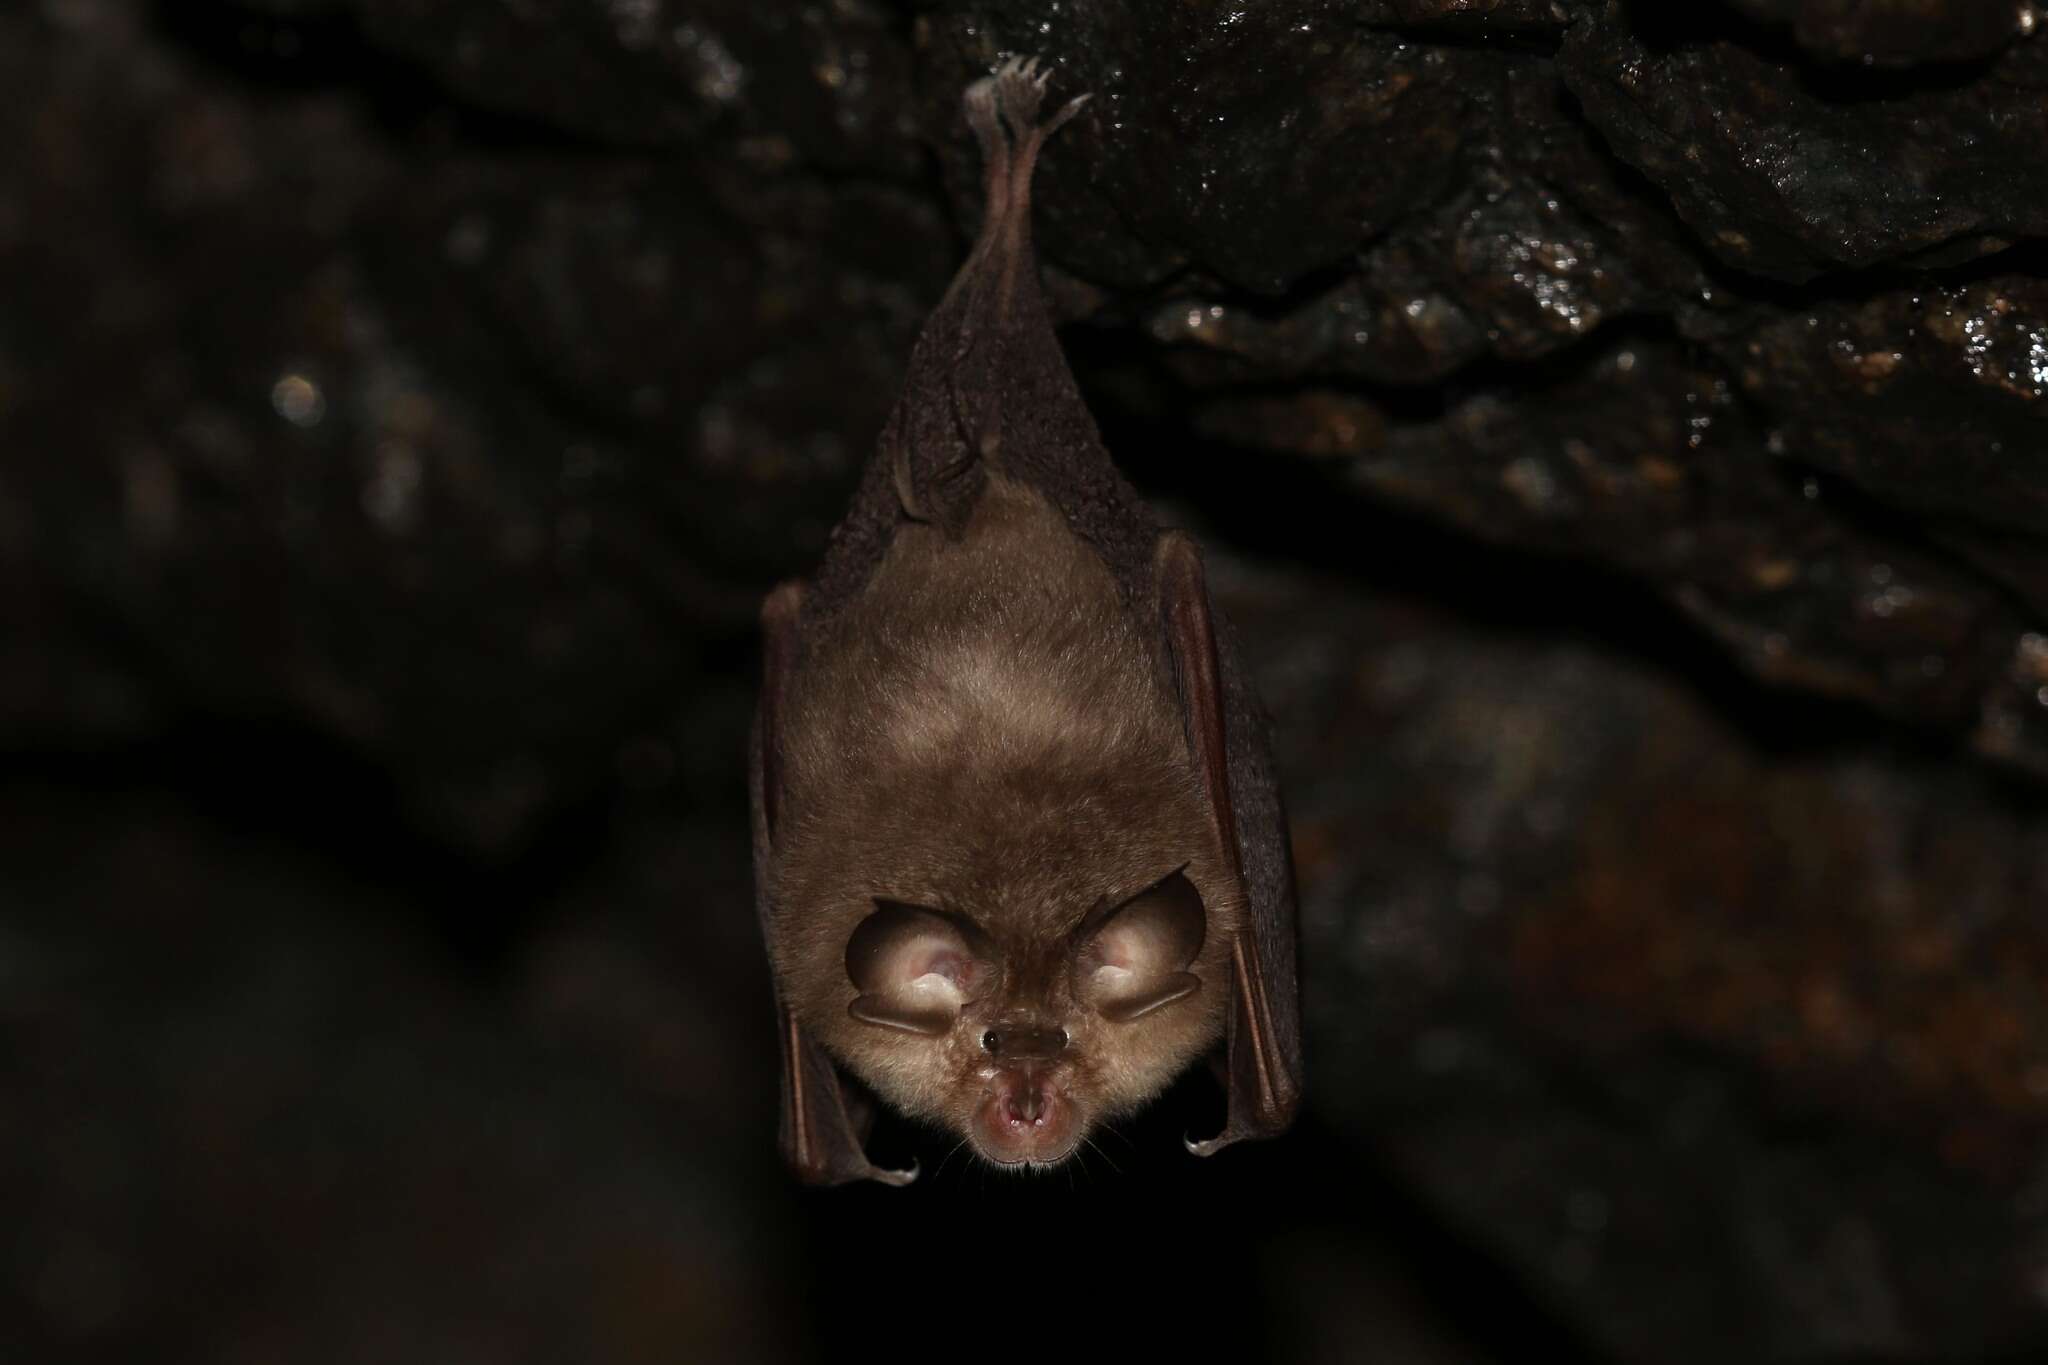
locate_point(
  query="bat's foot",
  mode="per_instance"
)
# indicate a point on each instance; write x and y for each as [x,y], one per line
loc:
[1020,88]
[1002,109]
[1010,99]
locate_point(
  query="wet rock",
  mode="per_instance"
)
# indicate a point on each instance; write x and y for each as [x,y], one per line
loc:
[824,84]
[438,387]
[1728,1043]
[1220,137]
[1788,172]
[1933,403]
[486,347]
[1899,32]
[1932,400]
[466,473]
[1540,243]
[1647,461]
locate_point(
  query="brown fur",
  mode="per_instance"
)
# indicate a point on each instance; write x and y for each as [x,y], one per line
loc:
[982,729]
[1002,697]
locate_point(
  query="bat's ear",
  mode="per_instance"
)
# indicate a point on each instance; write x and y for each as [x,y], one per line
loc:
[915,967]
[1262,1048]
[1133,958]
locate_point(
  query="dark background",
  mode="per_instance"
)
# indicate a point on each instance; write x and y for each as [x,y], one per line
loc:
[1620,431]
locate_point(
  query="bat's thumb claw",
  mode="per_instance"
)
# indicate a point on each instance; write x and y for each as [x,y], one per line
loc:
[1067,111]
[896,1178]
[1207,1146]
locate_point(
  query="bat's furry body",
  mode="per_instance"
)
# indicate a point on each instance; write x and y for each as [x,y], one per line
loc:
[1019,857]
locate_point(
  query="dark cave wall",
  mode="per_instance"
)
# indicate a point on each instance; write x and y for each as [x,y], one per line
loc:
[1621,430]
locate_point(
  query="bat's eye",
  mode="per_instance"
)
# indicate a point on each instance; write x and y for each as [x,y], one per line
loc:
[1134,958]
[915,967]
[1063,1038]
[988,1041]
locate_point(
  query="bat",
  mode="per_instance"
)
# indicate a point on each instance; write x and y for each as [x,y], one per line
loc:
[1019,856]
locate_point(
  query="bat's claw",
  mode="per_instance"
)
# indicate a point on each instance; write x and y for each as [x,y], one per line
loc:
[1206,1146]
[1008,101]
[896,1178]
[1020,86]
[1021,69]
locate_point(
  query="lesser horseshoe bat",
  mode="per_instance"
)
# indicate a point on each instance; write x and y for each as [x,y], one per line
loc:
[1019,856]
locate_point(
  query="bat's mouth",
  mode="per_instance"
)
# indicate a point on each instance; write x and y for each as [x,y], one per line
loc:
[1027,1120]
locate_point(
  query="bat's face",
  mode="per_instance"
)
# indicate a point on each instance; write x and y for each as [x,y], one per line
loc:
[1022,1046]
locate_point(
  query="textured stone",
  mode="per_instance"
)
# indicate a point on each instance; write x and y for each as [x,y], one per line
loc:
[1788,172]
[407,405]
[821,83]
[464,470]
[1222,137]
[1730,1042]
[1898,32]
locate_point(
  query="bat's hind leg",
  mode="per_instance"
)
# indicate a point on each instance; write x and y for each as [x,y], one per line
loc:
[938,468]
[1019,88]
[1003,112]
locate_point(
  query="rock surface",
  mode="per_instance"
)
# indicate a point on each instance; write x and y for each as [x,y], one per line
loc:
[1624,428]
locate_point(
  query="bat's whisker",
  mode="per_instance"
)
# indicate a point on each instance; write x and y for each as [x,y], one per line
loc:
[950,1154]
[1091,1143]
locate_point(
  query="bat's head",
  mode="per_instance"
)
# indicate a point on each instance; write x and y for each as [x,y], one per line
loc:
[1021,1043]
